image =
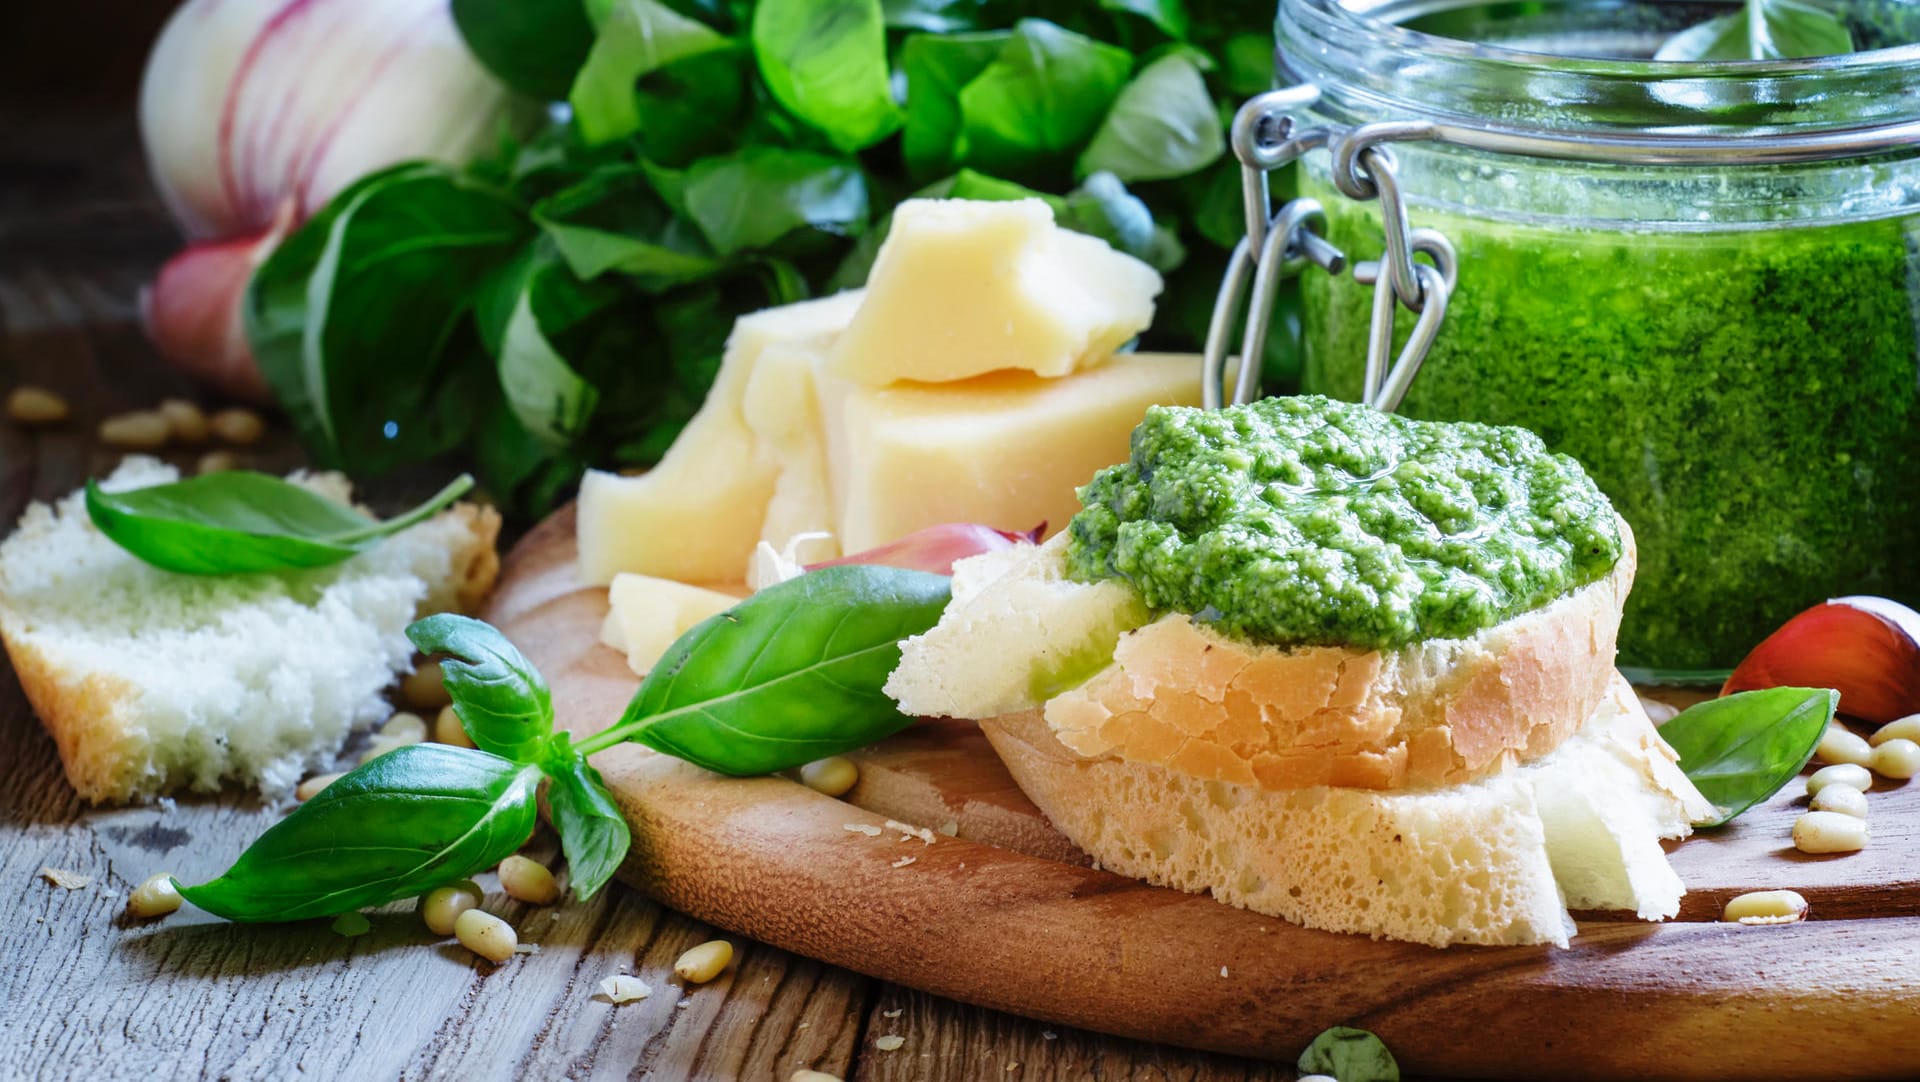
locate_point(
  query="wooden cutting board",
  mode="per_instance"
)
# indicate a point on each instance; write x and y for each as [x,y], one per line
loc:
[1009,915]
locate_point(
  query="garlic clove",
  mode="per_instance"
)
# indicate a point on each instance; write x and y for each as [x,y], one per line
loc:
[1866,648]
[935,548]
[193,309]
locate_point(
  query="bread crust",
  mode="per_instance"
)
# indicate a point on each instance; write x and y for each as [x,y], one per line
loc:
[1442,712]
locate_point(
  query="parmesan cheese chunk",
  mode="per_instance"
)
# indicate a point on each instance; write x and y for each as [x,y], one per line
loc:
[647,614]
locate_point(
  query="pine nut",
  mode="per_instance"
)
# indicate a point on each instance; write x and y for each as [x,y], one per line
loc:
[404,728]
[379,746]
[448,730]
[1844,799]
[311,787]
[485,935]
[1840,745]
[704,962]
[441,907]
[425,688]
[1766,907]
[805,1075]
[892,1042]
[237,426]
[1907,728]
[142,430]
[156,896]
[1829,832]
[36,406]
[185,422]
[217,462]
[528,880]
[1897,758]
[1841,774]
[832,776]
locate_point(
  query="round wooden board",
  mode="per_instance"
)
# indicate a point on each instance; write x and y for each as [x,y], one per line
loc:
[1008,914]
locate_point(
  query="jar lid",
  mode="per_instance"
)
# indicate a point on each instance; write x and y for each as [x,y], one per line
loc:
[1573,79]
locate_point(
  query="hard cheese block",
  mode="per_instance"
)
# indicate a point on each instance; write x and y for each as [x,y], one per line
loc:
[962,288]
[1007,449]
[645,614]
[696,516]
[783,413]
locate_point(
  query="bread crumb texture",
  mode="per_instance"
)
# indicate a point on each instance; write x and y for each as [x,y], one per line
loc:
[1485,862]
[149,680]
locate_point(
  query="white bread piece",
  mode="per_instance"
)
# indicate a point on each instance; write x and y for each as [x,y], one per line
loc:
[1178,693]
[1481,863]
[149,680]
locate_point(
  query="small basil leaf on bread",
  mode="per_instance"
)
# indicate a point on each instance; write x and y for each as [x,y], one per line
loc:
[1350,1055]
[413,819]
[239,521]
[501,699]
[1740,749]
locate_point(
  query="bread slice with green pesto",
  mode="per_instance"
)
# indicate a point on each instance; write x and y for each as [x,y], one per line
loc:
[151,682]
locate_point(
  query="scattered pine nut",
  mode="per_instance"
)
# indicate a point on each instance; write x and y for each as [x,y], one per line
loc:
[404,728]
[66,880]
[241,427]
[1897,758]
[311,787]
[890,1043]
[142,430]
[1907,728]
[1766,907]
[868,829]
[704,962]
[1844,799]
[624,988]
[1840,745]
[806,1075]
[351,924]
[425,688]
[1842,774]
[447,729]
[440,907]
[831,776]
[485,935]
[528,881]
[156,896]
[185,422]
[1829,832]
[30,405]
[217,462]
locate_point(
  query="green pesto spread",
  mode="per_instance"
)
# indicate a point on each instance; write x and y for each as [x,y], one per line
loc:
[1301,521]
[1749,400]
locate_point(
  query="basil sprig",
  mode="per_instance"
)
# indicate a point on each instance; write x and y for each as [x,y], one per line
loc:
[239,521]
[792,674]
[1349,1055]
[1740,749]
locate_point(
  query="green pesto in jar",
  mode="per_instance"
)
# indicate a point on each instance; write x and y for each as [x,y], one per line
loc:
[1749,400]
[1306,521]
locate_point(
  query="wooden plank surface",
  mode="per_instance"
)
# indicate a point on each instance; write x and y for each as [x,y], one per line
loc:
[85,994]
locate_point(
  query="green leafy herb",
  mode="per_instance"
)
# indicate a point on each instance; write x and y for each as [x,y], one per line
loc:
[501,699]
[826,61]
[1350,1055]
[1162,126]
[935,69]
[1762,30]
[238,521]
[790,675]
[593,833]
[761,195]
[406,822]
[1740,749]
[1169,15]
[635,37]
[533,48]
[1043,95]
[614,221]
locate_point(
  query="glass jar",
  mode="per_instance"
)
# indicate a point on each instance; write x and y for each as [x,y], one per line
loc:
[1726,335]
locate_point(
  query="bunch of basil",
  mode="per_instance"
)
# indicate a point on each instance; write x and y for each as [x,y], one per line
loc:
[565,303]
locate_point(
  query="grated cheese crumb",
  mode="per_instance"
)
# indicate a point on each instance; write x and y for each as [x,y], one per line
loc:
[909,831]
[894,1013]
[1049,1035]
[1223,971]
[60,877]
[868,829]
[903,862]
[624,988]
[526,948]
[889,1043]
[951,828]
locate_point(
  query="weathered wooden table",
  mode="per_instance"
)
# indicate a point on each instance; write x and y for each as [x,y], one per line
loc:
[86,994]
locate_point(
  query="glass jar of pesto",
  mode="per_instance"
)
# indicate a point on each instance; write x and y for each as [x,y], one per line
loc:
[1701,279]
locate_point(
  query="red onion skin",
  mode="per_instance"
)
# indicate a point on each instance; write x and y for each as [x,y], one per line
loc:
[193,310]
[1868,658]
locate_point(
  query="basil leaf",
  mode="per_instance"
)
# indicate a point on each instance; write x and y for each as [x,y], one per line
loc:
[499,696]
[790,675]
[1169,15]
[935,68]
[358,319]
[593,833]
[239,521]
[1102,207]
[759,195]
[1740,749]
[532,47]
[1042,96]
[1350,1055]
[1248,63]
[635,37]
[524,473]
[412,819]
[1762,30]
[537,300]
[1163,125]
[614,221]
[933,16]
[826,62]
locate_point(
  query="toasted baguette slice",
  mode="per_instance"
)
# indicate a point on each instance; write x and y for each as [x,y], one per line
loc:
[1486,863]
[149,680]
[1182,695]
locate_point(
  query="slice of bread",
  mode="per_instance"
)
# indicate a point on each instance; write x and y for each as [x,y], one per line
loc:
[1182,695]
[1491,862]
[149,680]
